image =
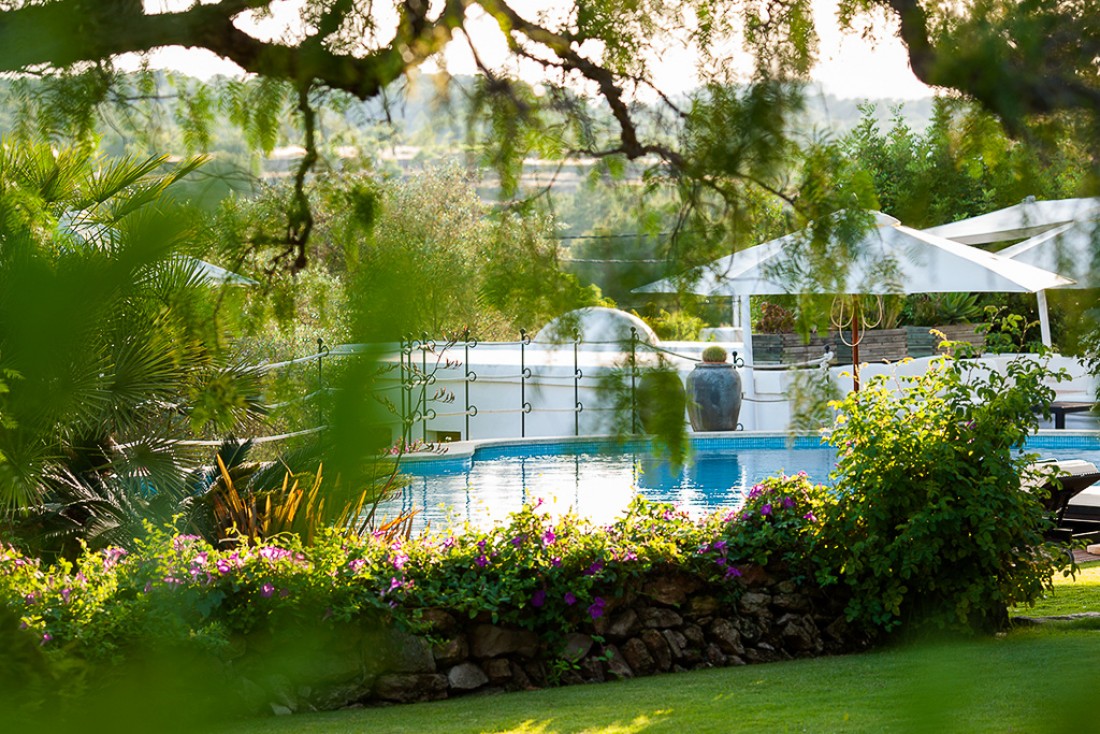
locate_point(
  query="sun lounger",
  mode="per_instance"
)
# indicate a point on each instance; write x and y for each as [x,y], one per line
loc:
[1068,493]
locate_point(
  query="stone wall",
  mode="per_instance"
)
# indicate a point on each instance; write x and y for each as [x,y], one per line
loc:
[669,622]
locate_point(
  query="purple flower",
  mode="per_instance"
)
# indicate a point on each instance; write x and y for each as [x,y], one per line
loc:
[720,560]
[548,537]
[595,610]
[449,541]
[267,590]
[556,561]
[482,561]
[718,545]
[356,565]
[732,572]
[518,540]
[399,560]
[273,553]
[756,491]
[570,598]
[810,516]
[394,584]
[223,565]
[594,569]
[65,593]
[630,556]
[787,503]
[481,545]
[538,598]
[766,509]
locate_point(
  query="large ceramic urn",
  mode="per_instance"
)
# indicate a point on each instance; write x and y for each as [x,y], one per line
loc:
[714,394]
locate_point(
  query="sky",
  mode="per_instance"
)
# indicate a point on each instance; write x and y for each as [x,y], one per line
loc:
[849,65]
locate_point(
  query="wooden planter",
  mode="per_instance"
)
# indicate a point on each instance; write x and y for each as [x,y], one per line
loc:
[924,344]
[877,345]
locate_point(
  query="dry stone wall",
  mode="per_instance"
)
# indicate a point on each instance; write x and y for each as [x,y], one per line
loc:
[669,622]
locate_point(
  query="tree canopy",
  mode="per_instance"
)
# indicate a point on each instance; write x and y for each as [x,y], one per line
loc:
[1031,63]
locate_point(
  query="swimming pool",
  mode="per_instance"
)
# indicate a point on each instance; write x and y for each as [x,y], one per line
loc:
[598,478]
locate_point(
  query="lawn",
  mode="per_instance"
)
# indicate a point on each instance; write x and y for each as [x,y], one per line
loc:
[1030,680]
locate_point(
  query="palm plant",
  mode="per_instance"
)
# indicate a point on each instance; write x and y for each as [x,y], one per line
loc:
[110,351]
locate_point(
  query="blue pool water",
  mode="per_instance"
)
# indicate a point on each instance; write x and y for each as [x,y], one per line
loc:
[599,479]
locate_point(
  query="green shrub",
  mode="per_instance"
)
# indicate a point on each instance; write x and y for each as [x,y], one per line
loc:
[928,524]
[714,353]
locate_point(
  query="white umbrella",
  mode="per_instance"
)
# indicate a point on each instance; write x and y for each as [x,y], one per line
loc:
[890,259]
[1026,219]
[1060,234]
[1068,250]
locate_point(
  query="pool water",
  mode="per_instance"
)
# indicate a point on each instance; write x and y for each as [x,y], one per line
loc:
[598,480]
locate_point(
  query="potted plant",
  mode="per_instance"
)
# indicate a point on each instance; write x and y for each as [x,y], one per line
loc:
[714,392]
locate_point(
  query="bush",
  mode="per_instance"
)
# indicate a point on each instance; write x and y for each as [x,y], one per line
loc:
[714,353]
[928,525]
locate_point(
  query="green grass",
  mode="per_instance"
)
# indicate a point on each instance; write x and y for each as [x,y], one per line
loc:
[1030,680]
[1070,595]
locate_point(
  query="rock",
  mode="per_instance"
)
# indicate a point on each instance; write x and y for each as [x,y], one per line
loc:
[637,656]
[658,648]
[624,625]
[792,602]
[714,655]
[498,670]
[799,634]
[660,618]
[694,634]
[280,710]
[411,688]
[451,652]
[677,642]
[751,629]
[405,653]
[592,670]
[701,606]
[442,621]
[520,679]
[753,604]
[335,697]
[786,587]
[753,576]
[617,667]
[536,673]
[726,637]
[490,641]
[466,677]
[672,588]
[577,646]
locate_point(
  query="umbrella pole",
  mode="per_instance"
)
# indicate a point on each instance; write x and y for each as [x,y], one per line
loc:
[1044,318]
[855,343]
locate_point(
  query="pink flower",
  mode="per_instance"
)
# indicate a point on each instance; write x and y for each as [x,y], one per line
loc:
[267,590]
[46,637]
[223,565]
[399,560]
[810,516]
[356,565]
[556,561]
[548,537]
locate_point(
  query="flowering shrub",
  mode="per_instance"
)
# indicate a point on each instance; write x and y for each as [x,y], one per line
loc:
[929,524]
[545,574]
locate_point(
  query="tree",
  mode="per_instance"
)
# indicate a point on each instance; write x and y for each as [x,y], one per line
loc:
[1036,60]
[110,344]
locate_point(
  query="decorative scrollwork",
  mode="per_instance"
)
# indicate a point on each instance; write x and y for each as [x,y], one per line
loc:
[527,408]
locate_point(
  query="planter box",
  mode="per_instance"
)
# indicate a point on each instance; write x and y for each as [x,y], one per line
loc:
[924,344]
[876,345]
